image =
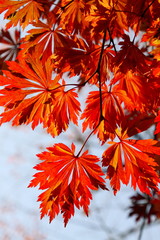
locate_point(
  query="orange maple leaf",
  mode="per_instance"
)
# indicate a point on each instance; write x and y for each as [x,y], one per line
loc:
[31,96]
[66,108]
[132,161]
[23,12]
[133,84]
[112,112]
[72,15]
[44,39]
[68,179]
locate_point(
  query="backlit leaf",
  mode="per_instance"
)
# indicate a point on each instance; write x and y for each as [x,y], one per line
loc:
[66,179]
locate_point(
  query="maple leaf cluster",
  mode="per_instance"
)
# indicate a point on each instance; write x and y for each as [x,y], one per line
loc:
[113,47]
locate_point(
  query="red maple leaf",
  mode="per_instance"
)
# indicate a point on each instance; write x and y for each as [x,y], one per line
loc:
[68,179]
[132,161]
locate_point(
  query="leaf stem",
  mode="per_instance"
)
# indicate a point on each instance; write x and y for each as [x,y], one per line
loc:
[141,229]
[86,140]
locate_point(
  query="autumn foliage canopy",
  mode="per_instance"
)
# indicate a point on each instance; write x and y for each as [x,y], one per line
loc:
[112,48]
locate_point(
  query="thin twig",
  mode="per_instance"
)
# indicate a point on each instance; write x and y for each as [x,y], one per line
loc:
[141,229]
[99,74]
[142,15]
[112,41]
